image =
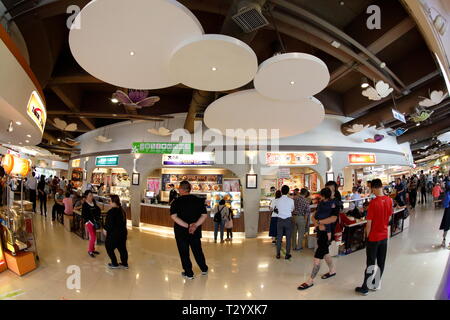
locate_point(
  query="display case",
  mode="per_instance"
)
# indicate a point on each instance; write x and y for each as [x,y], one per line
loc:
[233,201]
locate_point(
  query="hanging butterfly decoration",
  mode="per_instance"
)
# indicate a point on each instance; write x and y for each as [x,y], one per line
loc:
[70,142]
[135,98]
[62,125]
[397,132]
[161,131]
[376,138]
[102,139]
[421,115]
[356,128]
[436,97]
[445,137]
[381,90]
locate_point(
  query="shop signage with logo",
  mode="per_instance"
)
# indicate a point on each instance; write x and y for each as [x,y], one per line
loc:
[36,110]
[362,158]
[163,147]
[76,163]
[196,159]
[107,161]
[292,158]
[398,115]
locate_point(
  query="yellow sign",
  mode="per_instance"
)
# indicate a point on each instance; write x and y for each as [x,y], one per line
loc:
[36,110]
[76,163]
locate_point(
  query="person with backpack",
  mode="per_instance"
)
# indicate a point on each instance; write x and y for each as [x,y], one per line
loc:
[220,217]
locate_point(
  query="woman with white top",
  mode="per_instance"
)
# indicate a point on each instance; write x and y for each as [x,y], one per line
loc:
[274,218]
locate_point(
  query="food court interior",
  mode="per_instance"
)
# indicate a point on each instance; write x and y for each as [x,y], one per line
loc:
[239,98]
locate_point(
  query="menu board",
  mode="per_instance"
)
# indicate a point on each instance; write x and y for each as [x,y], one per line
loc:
[120,180]
[199,182]
[299,181]
[154,185]
[232,201]
[231,185]
[291,158]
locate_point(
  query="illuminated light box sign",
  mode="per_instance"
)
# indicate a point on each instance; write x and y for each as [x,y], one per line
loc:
[196,159]
[291,158]
[362,158]
[76,163]
[163,147]
[36,110]
[107,161]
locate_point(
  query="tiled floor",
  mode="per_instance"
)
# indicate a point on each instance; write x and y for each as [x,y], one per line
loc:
[246,270]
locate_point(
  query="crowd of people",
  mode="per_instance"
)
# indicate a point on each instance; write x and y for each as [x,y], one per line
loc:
[290,218]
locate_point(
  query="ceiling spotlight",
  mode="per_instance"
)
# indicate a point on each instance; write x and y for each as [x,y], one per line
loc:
[342,3]
[58,139]
[335,44]
[418,124]
[29,135]
[292,82]
[213,68]
[27,141]
[382,65]
[10,127]
[114,100]
[364,83]
[18,123]
[20,142]
[132,53]
[114,115]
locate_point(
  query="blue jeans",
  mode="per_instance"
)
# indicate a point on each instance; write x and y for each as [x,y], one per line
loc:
[216,229]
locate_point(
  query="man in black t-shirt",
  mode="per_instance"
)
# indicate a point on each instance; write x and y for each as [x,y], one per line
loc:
[189,212]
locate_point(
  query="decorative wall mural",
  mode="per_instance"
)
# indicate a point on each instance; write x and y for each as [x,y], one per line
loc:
[381,90]
[62,125]
[135,98]
[436,97]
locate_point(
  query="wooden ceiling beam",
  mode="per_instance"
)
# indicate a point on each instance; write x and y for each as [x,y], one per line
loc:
[71,97]
[73,79]
[103,115]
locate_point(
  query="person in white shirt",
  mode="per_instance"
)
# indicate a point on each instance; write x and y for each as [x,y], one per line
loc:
[62,184]
[284,207]
[32,186]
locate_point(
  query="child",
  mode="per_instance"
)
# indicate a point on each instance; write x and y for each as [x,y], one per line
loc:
[325,208]
[437,190]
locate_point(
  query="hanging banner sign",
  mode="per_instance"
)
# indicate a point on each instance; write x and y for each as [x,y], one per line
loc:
[291,158]
[362,158]
[399,116]
[196,159]
[107,161]
[163,147]
[36,110]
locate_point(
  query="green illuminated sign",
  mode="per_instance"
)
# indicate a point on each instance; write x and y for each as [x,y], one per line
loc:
[107,161]
[163,147]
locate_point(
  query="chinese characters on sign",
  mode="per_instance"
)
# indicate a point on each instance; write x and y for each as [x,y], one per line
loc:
[107,161]
[361,158]
[291,158]
[196,159]
[163,147]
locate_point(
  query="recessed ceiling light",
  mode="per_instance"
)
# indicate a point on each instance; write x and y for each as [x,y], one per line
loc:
[342,3]
[292,82]
[213,68]
[418,124]
[132,53]
[364,83]
[114,100]
[18,123]
[58,139]
[114,115]
[335,44]
[29,135]
[27,141]
[20,142]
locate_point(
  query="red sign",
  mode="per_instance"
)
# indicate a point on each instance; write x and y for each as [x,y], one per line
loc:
[361,158]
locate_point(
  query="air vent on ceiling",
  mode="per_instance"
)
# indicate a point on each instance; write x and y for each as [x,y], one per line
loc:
[250,18]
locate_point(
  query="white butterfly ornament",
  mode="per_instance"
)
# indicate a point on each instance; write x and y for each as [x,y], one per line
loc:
[436,97]
[62,125]
[381,90]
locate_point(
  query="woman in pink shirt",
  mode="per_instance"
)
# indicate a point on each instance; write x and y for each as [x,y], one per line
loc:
[68,205]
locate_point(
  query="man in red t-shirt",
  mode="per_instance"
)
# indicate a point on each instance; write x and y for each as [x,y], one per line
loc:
[378,215]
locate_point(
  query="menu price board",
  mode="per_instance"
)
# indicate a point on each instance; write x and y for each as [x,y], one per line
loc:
[196,159]
[361,158]
[291,158]
[163,147]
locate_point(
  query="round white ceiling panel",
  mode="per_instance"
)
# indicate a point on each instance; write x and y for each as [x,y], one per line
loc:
[214,62]
[250,110]
[130,43]
[291,76]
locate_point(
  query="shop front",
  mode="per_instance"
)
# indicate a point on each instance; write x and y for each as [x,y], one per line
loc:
[208,182]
